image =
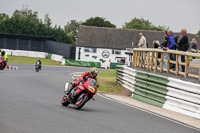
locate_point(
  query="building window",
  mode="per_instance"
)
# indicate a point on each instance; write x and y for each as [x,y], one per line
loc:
[117,52]
[91,50]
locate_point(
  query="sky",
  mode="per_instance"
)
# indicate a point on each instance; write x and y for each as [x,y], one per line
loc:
[175,14]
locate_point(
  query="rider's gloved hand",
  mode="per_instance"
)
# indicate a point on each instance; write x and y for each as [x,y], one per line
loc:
[73,84]
[82,81]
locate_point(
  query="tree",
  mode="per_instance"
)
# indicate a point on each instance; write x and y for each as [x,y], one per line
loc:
[198,34]
[142,24]
[26,22]
[99,22]
[3,16]
[47,20]
[26,13]
[72,29]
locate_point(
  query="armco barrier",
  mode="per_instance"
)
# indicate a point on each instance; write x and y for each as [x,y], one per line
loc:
[169,93]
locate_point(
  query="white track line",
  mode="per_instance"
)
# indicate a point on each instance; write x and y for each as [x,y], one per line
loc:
[170,119]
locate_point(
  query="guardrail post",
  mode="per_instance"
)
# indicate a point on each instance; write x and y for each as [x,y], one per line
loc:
[145,57]
[168,62]
[161,63]
[148,58]
[138,58]
[141,65]
[199,73]
[156,63]
[176,65]
[152,56]
[186,66]
[133,64]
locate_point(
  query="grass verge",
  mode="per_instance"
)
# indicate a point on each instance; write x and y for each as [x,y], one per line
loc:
[30,60]
[107,82]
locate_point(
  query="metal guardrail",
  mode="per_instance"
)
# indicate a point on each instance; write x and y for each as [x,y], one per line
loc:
[148,58]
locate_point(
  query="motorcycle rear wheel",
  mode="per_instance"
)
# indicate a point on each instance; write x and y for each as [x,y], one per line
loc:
[65,101]
[81,101]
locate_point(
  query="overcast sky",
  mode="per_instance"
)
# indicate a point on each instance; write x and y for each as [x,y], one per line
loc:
[175,14]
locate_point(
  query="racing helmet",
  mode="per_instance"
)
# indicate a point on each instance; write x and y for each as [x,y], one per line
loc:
[94,72]
[2,53]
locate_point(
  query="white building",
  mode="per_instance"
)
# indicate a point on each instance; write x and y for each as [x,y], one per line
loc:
[103,55]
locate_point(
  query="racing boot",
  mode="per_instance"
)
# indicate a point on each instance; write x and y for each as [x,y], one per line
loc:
[71,86]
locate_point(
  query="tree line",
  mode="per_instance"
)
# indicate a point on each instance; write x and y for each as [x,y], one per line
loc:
[27,22]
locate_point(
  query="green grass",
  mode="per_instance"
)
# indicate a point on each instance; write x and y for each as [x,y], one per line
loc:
[30,60]
[107,82]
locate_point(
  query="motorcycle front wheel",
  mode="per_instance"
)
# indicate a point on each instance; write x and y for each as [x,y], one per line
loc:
[65,101]
[37,69]
[82,99]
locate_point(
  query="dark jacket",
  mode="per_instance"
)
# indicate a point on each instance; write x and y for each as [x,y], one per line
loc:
[193,48]
[164,44]
[183,44]
[155,45]
[38,62]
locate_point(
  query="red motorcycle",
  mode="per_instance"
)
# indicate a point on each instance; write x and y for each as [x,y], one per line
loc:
[2,63]
[80,94]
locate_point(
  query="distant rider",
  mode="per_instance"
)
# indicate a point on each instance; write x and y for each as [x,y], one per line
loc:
[82,79]
[39,63]
[5,56]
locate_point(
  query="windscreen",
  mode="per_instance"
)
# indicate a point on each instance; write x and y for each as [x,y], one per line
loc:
[93,82]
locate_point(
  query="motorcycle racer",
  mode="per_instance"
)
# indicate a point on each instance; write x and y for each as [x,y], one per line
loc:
[82,79]
[39,63]
[4,55]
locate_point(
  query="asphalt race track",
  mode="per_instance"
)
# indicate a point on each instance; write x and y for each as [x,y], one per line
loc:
[30,103]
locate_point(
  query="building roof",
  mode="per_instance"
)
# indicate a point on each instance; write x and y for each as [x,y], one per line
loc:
[114,38]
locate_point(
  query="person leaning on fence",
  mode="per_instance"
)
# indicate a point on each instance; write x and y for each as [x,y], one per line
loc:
[164,45]
[172,46]
[194,45]
[156,44]
[183,45]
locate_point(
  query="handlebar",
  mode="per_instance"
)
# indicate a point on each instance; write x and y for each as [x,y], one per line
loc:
[72,76]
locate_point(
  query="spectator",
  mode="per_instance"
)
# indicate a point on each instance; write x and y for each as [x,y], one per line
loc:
[194,45]
[183,45]
[166,42]
[156,44]
[142,42]
[164,45]
[172,46]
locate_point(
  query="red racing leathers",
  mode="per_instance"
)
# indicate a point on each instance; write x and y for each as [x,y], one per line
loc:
[84,78]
